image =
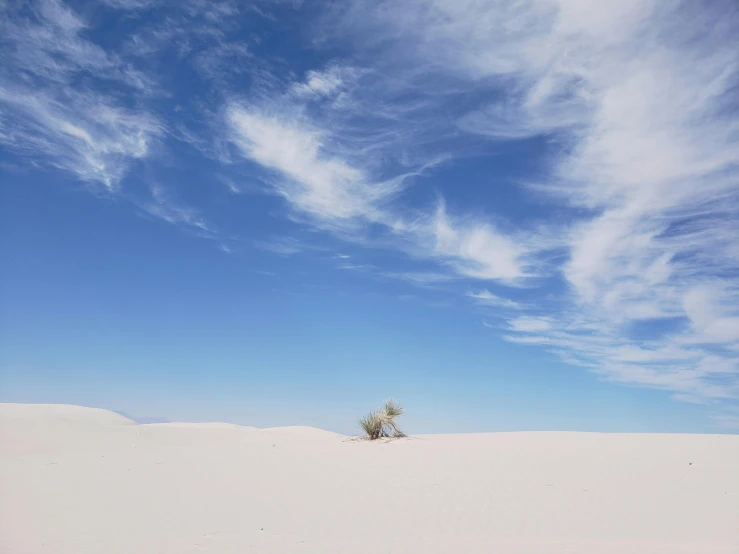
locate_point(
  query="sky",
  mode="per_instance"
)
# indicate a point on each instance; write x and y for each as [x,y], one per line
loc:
[508,215]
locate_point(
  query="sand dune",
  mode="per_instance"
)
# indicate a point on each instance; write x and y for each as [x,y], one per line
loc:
[81,481]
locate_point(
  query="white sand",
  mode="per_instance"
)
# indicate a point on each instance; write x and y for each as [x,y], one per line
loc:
[83,481]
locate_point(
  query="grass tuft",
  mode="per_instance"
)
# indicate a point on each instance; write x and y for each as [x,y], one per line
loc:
[380,423]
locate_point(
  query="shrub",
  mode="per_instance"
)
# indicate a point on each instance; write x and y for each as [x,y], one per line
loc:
[380,423]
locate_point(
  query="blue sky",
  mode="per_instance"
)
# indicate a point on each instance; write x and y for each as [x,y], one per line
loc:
[508,215]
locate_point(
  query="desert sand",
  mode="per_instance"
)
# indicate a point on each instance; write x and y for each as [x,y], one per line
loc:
[80,481]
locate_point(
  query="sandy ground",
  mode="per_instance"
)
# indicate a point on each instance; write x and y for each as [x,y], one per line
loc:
[80,481]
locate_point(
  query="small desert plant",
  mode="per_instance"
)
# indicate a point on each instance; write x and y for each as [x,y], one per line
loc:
[380,423]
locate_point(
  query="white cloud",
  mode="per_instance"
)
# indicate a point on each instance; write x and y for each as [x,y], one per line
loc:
[83,134]
[337,195]
[420,278]
[46,118]
[713,314]
[130,4]
[487,298]
[223,59]
[329,82]
[529,324]
[165,207]
[286,246]
[318,184]
[477,249]
[640,96]
[50,48]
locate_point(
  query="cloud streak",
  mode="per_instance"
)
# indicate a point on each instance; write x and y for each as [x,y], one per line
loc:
[640,98]
[81,133]
[334,194]
[46,117]
[322,186]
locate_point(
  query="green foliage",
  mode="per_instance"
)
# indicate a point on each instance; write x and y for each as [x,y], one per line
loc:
[392,409]
[372,425]
[380,423]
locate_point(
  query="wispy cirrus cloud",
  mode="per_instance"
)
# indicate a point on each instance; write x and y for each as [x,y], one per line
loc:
[223,59]
[486,298]
[131,4]
[167,208]
[640,98]
[82,133]
[286,246]
[317,173]
[327,83]
[89,133]
[476,249]
[86,106]
[318,184]
[530,324]
[49,46]
[420,278]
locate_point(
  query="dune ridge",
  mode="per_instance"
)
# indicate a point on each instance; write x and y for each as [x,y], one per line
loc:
[79,480]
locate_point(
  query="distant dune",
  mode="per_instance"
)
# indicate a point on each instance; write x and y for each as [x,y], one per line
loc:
[85,481]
